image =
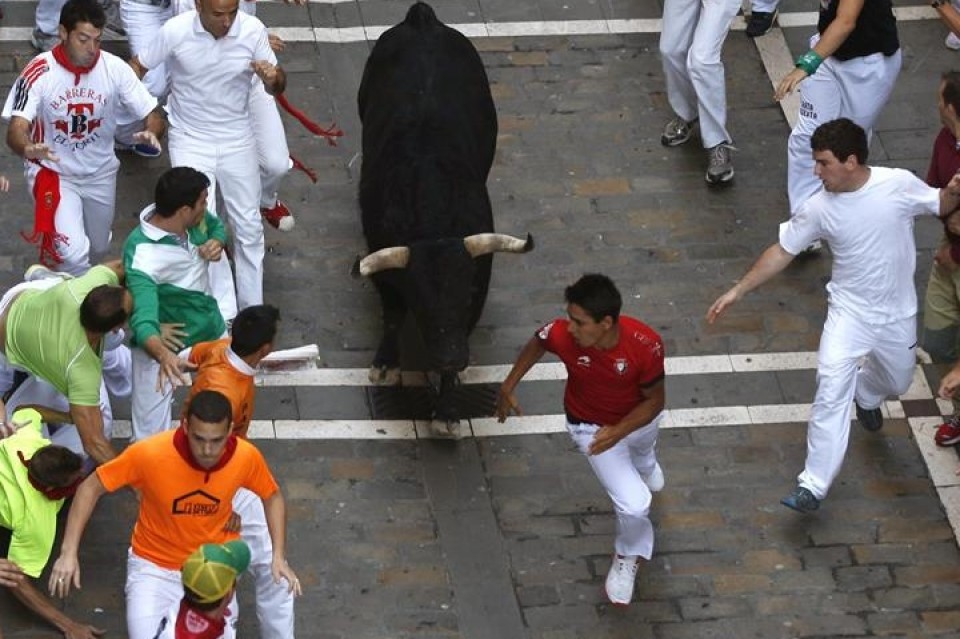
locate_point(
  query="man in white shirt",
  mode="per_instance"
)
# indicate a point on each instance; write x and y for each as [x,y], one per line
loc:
[63,113]
[866,214]
[211,56]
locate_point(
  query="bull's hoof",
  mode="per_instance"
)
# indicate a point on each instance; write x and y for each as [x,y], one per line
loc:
[383,376]
[441,429]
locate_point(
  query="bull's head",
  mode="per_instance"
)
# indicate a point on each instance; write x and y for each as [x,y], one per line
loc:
[438,281]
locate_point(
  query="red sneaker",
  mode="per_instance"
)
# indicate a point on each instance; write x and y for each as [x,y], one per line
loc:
[278,216]
[949,432]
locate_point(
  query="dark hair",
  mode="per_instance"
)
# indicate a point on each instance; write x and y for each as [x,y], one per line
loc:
[180,186]
[55,466]
[210,407]
[253,327]
[76,11]
[193,599]
[102,309]
[951,89]
[597,295]
[843,138]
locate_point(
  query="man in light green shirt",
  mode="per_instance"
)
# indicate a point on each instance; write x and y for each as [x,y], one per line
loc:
[35,478]
[55,330]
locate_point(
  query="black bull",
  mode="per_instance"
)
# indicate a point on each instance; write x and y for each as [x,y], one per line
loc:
[429,138]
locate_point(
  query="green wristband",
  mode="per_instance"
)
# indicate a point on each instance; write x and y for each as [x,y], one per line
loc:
[809,62]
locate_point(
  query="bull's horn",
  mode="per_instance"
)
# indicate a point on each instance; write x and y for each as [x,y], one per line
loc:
[484,243]
[392,257]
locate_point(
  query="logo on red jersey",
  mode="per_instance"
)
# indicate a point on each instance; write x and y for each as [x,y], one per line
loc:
[583,360]
[621,366]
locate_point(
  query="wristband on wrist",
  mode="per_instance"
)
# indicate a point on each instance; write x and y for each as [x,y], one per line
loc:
[936,4]
[809,62]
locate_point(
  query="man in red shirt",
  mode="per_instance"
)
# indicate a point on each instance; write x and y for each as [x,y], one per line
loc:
[614,401]
[941,305]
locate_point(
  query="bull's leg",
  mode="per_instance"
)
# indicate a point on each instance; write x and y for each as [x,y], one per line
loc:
[385,370]
[446,409]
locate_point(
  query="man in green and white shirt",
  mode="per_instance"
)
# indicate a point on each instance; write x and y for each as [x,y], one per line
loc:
[165,259]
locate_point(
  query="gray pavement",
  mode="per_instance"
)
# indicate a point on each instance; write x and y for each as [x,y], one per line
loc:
[509,537]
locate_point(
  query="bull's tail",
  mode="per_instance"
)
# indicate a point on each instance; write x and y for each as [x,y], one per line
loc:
[421,15]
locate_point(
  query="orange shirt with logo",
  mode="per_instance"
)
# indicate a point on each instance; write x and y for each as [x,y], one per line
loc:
[216,372]
[182,507]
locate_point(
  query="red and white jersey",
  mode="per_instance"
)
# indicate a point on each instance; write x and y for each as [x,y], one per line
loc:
[76,114]
[210,78]
[604,385]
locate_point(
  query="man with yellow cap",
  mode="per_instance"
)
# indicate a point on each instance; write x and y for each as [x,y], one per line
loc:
[208,607]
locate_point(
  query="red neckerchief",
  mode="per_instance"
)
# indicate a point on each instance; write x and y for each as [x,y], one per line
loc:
[60,55]
[182,445]
[192,624]
[50,492]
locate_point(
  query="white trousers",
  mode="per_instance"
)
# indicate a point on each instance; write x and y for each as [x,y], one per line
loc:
[764,6]
[48,15]
[142,22]
[690,46]
[274,601]
[273,155]
[618,470]
[857,89]
[888,354]
[151,590]
[150,410]
[231,164]
[84,217]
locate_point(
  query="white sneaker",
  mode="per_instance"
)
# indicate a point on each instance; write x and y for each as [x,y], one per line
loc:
[621,579]
[654,480]
[952,42]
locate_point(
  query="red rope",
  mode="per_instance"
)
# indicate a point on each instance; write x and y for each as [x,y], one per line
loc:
[297,164]
[330,134]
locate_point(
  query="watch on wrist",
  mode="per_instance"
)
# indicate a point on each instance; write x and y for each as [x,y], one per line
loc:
[936,4]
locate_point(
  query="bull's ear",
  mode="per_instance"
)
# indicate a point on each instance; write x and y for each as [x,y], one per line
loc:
[486,243]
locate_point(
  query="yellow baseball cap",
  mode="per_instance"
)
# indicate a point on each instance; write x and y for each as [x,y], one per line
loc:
[212,569]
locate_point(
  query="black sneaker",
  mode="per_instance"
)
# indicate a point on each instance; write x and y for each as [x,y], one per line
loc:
[871,420]
[760,22]
[801,500]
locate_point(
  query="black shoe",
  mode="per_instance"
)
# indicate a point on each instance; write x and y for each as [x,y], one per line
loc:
[760,22]
[801,500]
[871,420]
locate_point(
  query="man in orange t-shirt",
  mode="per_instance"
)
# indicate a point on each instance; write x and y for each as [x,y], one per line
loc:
[187,479]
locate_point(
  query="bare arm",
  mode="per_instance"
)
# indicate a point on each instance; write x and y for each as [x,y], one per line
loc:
[507,403]
[274,78]
[37,602]
[171,366]
[66,570]
[20,142]
[950,17]
[831,39]
[771,261]
[950,196]
[275,511]
[641,415]
[137,67]
[89,423]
